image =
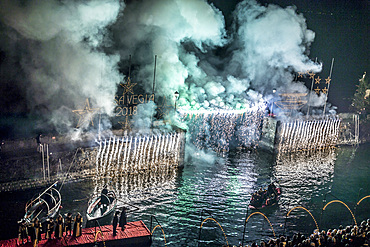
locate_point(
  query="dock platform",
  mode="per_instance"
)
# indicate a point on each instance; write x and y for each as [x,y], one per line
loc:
[135,234]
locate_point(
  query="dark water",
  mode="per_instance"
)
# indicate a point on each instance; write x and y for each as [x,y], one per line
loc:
[223,188]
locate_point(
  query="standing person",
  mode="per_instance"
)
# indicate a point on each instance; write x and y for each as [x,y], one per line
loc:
[104,196]
[123,219]
[59,227]
[32,233]
[22,231]
[115,222]
[30,230]
[36,233]
[77,228]
[68,224]
[104,200]
[39,144]
[49,228]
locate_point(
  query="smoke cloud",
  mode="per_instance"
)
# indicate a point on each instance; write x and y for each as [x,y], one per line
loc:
[270,44]
[267,45]
[149,28]
[58,44]
[66,51]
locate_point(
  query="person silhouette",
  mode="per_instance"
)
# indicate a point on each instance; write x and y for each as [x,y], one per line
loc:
[123,219]
[115,223]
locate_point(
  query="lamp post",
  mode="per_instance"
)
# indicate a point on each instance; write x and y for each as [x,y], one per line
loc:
[272,107]
[176,97]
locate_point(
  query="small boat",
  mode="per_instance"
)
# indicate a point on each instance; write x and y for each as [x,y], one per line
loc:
[43,205]
[102,206]
[265,198]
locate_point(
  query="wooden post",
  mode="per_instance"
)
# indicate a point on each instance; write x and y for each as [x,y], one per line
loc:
[309,97]
[47,160]
[331,69]
[60,165]
[42,146]
[129,68]
[155,67]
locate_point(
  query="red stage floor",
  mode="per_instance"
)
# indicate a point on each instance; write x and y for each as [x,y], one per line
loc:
[135,234]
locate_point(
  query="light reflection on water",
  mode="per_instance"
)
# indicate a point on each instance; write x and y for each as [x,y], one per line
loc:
[311,171]
[176,198]
[304,177]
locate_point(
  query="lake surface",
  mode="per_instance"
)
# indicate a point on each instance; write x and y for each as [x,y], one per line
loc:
[220,189]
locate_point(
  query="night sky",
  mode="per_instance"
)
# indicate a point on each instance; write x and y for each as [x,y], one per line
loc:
[342,32]
[54,54]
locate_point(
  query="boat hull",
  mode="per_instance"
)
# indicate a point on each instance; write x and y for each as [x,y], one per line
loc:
[43,206]
[97,211]
[264,204]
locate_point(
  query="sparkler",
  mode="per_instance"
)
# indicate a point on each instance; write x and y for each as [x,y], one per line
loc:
[218,130]
[137,154]
[301,135]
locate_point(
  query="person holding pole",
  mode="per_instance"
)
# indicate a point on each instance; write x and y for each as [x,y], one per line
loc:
[123,219]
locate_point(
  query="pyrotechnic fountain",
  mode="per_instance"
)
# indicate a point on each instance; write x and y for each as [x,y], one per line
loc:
[300,135]
[127,155]
[140,186]
[223,130]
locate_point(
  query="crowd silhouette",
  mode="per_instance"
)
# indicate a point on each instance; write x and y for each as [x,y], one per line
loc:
[349,236]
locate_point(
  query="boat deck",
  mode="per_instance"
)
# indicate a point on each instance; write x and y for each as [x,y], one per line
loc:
[135,234]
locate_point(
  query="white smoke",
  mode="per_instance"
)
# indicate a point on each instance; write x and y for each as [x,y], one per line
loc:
[73,50]
[271,43]
[60,43]
[149,28]
[268,45]
[142,122]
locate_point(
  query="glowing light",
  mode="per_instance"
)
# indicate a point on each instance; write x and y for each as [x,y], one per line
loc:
[227,243]
[136,154]
[164,236]
[312,75]
[265,218]
[86,114]
[354,219]
[96,235]
[217,128]
[363,199]
[306,135]
[207,112]
[128,86]
[317,227]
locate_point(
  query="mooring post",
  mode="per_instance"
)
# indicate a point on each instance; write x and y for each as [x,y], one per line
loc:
[358,198]
[245,224]
[151,221]
[286,217]
[47,160]
[42,146]
[322,209]
[200,227]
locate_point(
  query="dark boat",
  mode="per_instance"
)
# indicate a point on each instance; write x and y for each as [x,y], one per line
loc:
[265,198]
[101,207]
[43,205]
